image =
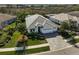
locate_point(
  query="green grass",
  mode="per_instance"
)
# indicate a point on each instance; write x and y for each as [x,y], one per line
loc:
[3,37]
[29,51]
[8,53]
[31,42]
[13,25]
[12,42]
[37,50]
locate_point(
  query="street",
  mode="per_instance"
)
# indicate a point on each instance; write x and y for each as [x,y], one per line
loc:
[69,51]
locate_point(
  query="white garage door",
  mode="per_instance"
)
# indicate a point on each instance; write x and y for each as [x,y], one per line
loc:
[48,30]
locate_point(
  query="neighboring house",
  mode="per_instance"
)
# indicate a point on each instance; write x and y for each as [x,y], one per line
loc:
[40,24]
[59,18]
[74,13]
[6,19]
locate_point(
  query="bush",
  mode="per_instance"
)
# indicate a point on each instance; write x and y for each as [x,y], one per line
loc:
[35,36]
[72,33]
[65,34]
[1,44]
[0,33]
[10,31]
[76,40]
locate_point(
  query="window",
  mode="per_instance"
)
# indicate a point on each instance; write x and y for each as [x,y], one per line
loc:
[32,30]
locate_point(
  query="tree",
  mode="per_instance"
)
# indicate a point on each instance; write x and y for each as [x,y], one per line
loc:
[20,22]
[72,25]
[21,16]
[22,38]
[64,26]
[21,27]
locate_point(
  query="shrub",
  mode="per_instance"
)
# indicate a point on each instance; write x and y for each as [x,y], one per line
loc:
[72,33]
[2,44]
[34,35]
[65,34]
[76,39]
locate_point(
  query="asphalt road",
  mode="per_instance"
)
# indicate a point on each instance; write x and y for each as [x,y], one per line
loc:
[68,51]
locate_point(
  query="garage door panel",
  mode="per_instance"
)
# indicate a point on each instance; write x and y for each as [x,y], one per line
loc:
[48,30]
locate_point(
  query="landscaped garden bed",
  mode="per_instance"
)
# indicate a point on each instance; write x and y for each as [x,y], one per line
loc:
[29,42]
[13,41]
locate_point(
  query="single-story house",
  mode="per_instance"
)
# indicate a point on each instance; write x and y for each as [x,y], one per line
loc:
[59,18]
[6,19]
[38,23]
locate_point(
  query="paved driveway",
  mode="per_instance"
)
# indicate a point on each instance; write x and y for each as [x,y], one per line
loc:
[69,51]
[57,43]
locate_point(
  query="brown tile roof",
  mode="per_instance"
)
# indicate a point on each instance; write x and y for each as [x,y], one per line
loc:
[74,13]
[4,17]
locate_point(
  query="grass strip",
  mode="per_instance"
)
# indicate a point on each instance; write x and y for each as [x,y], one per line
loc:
[29,51]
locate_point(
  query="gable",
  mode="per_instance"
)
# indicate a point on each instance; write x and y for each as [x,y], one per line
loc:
[30,20]
[39,20]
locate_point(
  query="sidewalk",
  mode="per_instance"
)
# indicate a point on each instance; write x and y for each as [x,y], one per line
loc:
[21,48]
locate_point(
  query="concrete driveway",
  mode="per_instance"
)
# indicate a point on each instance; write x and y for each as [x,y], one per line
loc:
[69,51]
[57,43]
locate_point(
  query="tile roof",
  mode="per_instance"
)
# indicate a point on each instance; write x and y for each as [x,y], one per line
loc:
[31,19]
[63,17]
[74,13]
[4,17]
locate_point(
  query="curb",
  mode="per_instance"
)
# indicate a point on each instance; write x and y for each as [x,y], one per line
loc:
[21,48]
[50,51]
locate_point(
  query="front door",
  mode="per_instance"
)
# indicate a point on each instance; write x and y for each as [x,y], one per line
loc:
[39,29]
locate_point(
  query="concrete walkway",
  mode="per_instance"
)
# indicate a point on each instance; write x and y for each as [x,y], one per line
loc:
[21,48]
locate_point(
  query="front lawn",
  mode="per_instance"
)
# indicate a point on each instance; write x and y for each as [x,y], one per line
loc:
[31,42]
[37,50]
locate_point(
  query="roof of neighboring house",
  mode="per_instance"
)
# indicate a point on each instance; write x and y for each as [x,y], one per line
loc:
[63,17]
[5,17]
[74,13]
[50,15]
[32,18]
